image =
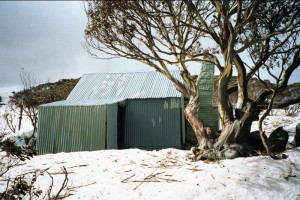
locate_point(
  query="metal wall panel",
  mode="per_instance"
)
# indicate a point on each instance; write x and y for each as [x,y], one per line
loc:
[153,123]
[112,126]
[205,83]
[71,128]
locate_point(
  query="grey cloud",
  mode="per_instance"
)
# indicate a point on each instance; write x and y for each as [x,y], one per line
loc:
[45,38]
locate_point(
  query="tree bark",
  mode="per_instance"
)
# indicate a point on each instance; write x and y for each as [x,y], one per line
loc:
[224,105]
[191,113]
[236,134]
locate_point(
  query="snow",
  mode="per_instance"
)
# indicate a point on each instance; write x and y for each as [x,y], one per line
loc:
[5,97]
[26,126]
[18,137]
[278,120]
[168,174]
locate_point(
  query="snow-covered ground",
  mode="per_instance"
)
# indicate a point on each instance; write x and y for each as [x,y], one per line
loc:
[26,127]
[168,174]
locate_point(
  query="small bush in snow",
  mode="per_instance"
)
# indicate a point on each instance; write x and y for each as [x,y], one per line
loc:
[10,122]
[12,149]
[21,188]
[292,110]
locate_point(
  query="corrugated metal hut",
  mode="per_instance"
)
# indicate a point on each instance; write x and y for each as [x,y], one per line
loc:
[112,111]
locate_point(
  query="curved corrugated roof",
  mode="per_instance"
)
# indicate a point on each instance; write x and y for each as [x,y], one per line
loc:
[112,86]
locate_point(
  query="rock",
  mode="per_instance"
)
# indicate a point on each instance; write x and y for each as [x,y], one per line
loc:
[297,136]
[231,153]
[256,142]
[234,151]
[277,140]
[284,156]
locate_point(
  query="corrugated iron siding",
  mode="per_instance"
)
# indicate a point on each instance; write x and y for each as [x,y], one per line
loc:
[124,86]
[112,126]
[71,128]
[152,123]
[205,83]
[209,114]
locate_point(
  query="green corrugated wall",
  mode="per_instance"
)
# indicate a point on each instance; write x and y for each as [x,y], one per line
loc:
[205,83]
[149,124]
[71,128]
[153,123]
[112,126]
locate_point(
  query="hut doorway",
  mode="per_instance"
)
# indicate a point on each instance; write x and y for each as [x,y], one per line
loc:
[120,126]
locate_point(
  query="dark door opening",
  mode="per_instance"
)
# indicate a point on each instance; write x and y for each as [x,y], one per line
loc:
[121,122]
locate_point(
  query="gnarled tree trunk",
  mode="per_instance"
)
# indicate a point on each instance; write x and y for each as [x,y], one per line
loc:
[234,140]
[191,113]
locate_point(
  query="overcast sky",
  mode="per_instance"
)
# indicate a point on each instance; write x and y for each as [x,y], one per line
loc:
[46,38]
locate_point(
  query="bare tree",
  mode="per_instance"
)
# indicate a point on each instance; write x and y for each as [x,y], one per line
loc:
[25,100]
[9,120]
[169,33]
[34,94]
[30,109]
